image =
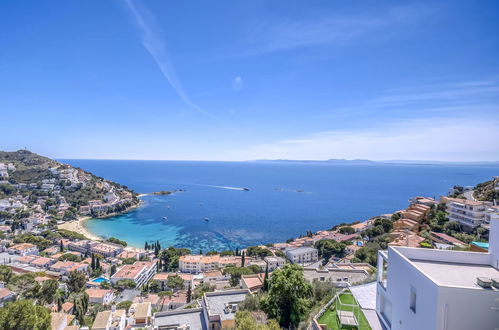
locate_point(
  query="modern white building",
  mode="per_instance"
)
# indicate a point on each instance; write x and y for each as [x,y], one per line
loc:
[302,255]
[140,272]
[439,289]
[467,212]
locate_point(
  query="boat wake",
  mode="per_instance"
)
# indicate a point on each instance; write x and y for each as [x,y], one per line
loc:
[222,187]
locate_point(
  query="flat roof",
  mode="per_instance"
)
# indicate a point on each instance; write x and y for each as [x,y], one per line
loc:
[192,317]
[216,302]
[455,274]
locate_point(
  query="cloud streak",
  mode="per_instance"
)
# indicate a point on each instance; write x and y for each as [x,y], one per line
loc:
[277,35]
[156,48]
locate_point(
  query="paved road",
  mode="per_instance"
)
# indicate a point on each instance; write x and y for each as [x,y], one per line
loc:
[469,195]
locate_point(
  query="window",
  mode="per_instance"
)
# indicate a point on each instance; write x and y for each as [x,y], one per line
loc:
[412,304]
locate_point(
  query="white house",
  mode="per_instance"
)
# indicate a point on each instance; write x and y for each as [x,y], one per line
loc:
[439,289]
[100,296]
[275,262]
[302,255]
[23,249]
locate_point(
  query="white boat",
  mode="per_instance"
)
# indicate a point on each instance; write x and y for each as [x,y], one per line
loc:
[165,218]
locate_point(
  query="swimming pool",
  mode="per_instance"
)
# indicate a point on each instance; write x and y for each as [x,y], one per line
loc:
[100,280]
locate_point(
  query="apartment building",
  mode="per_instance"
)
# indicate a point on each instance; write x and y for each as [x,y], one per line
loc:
[82,246]
[194,263]
[140,272]
[467,212]
[107,250]
[302,255]
[439,289]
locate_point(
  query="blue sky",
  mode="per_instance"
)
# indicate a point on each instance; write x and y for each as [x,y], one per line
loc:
[228,80]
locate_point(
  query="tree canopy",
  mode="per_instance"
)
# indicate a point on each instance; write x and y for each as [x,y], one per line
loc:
[288,299]
[24,315]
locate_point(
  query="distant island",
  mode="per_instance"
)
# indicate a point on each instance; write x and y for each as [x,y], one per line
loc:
[378,162]
[166,192]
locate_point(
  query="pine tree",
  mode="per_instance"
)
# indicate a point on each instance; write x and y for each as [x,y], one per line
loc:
[266,279]
[237,251]
[61,246]
[92,263]
[146,246]
[59,304]
[189,293]
[243,259]
[200,251]
[97,263]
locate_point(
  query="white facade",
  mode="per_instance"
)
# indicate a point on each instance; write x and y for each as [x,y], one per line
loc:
[302,255]
[437,289]
[466,212]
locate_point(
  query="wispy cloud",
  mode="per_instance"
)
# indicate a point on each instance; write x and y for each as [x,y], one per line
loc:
[156,47]
[471,91]
[283,34]
[457,98]
[423,139]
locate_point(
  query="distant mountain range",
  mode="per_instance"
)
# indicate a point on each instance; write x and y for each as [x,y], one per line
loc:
[378,162]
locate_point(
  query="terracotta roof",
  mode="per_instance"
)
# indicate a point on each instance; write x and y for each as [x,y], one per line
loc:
[4,292]
[131,271]
[23,246]
[448,238]
[97,293]
[42,261]
[253,281]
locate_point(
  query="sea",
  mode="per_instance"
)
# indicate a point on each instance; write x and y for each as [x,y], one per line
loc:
[283,200]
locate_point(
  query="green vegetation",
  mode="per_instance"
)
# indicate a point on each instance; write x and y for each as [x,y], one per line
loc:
[175,282]
[236,273]
[246,321]
[40,242]
[256,251]
[485,191]
[289,296]
[71,234]
[330,248]
[330,318]
[124,305]
[169,257]
[76,281]
[117,241]
[24,315]
[69,256]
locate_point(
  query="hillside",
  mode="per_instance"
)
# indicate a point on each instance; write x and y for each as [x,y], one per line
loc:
[31,183]
[487,191]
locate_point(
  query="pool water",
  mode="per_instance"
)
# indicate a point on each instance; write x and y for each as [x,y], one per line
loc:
[99,280]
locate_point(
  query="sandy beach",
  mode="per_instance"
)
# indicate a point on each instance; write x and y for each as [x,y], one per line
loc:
[77,226]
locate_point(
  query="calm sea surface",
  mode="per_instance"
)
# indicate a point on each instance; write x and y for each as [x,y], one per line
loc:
[284,199]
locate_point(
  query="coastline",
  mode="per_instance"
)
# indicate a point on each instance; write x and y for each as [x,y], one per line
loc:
[79,227]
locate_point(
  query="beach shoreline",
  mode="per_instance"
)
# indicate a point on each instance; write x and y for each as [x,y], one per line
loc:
[78,227]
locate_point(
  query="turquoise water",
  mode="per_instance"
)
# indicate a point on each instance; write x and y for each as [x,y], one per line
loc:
[284,199]
[99,280]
